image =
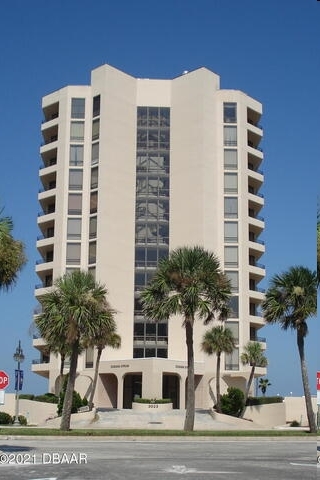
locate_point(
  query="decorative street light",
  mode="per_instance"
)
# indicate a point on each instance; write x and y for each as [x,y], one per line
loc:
[18,357]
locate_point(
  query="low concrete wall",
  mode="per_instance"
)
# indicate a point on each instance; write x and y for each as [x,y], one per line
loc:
[147,407]
[269,415]
[296,409]
[36,413]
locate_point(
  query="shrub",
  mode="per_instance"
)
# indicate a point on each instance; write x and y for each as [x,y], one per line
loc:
[5,418]
[26,396]
[294,423]
[77,401]
[232,402]
[264,400]
[22,420]
[47,398]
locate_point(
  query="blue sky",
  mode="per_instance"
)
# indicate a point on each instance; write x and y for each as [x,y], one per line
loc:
[270,50]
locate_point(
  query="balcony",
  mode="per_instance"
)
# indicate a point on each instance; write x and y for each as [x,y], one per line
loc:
[51,112]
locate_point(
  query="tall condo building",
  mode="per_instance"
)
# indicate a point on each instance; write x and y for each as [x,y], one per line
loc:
[133,168]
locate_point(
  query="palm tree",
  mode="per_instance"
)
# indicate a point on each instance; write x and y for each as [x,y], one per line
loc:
[318,246]
[74,310]
[189,283]
[12,254]
[263,385]
[218,340]
[290,300]
[253,355]
[106,337]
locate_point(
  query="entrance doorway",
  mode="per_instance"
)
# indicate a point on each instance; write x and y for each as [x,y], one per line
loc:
[171,388]
[132,386]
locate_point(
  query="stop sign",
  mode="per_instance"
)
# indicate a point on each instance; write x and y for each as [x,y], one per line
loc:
[4,380]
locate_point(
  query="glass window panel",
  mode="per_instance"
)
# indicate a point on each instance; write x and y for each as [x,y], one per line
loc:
[93,202]
[138,353]
[231,207]
[96,106]
[92,252]
[234,327]
[230,136]
[162,353]
[139,329]
[150,328]
[153,117]
[77,131]
[140,279]
[150,352]
[73,253]
[74,228]
[95,153]
[231,183]
[230,159]
[164,117]
[230,113]
[92,270]
[93,227]
[162,329]
[94,177]
[231,232]
[75,179]
[77,108]
[75,204]
[76,155]
[89,357]
[232,360]
[231,256]
[95,129]
[234,307]
[234,279]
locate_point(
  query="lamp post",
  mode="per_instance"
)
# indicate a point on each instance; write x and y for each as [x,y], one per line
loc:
[17,357]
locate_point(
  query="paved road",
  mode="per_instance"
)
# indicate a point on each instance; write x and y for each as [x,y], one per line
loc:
[97,459]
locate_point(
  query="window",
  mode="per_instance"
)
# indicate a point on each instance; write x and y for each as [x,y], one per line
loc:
[94,178]
[96,106]
[230,159]
[75,179]
[234,279]
[94,202]
[92,252]
[234,307]
[74,228]
[77,131]
[95,129]
[230,136]
[230,113]
[234,327]
[89,357]
[95,153]
[77,108]
[93,227]
[76,155]
[73,253]
[92,270]
[231,257]
[232,360]
[230,183]
[231,207]
[231,232]
[75,204]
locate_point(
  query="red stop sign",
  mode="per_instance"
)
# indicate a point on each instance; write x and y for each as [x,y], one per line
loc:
[4,380]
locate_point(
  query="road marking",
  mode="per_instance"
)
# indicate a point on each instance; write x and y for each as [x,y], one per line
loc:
[305,464]
[182,469]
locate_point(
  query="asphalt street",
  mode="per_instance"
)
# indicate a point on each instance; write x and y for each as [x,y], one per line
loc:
[100,459]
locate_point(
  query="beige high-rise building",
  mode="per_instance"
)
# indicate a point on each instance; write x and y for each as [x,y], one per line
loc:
[133,168]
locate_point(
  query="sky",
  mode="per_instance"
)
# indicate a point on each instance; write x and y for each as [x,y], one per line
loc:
[269,50]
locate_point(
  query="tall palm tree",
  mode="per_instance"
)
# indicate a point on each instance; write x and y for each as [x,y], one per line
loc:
[189,283]
[253,355]
[318,246]
[12,254]
[263,385]
[110,339]
[290,300]
[73,311]
[218,340]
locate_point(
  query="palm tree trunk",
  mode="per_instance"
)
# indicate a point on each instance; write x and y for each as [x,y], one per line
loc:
[218,405]
[246,395]
[190,407]
[67,403]
[305,382]
[95,379]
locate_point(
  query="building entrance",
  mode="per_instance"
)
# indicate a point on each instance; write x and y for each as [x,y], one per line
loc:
[171,388]
[132,386]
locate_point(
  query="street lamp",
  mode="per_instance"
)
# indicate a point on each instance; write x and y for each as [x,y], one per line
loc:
[18,357]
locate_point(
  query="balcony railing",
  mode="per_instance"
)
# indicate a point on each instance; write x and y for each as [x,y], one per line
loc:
[38,361]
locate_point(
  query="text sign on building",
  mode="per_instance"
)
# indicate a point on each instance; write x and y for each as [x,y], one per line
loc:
[4,380]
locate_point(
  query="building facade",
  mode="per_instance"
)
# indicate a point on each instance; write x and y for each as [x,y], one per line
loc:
[133,168]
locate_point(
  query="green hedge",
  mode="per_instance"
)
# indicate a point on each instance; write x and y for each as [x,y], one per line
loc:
[152,400]
[263,400]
